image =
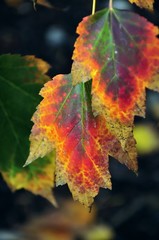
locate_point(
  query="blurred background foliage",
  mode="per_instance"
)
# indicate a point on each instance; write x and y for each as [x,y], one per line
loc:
[131,209]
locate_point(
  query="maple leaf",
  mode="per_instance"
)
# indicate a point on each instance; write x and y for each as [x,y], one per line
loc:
[62,224]
[64,121]
[144,3]
[119,51]
[21,78]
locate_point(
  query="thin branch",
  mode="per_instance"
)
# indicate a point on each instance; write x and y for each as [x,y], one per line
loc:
[93,7]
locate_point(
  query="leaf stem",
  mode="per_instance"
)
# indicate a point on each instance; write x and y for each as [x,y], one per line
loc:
[93,7]
[110,4]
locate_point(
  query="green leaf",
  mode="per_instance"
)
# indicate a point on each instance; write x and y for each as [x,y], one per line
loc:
[21,79]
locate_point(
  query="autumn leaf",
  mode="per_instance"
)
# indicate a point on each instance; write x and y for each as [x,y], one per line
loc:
[119,51]
[20,81]
[144,3]
[66,223]
[64,120]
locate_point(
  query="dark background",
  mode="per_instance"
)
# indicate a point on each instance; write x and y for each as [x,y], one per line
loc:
[131,209]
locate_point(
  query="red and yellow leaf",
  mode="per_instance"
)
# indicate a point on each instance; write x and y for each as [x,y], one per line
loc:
[64,121]
[144,3]
[119,51]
